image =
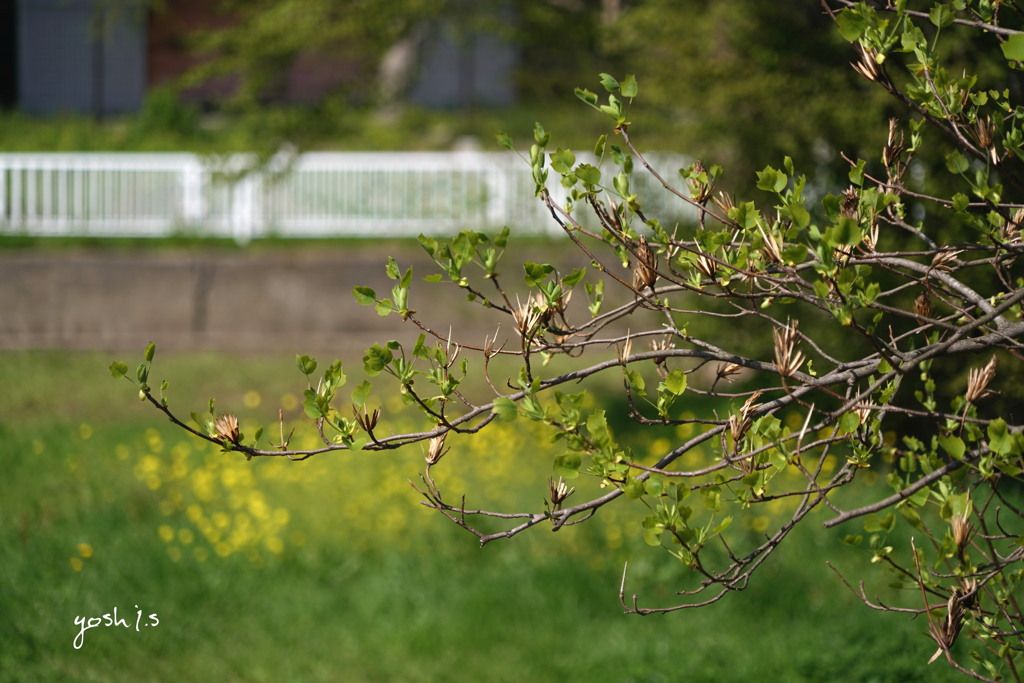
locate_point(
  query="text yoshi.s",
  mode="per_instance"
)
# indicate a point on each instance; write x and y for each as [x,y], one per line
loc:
[92,622]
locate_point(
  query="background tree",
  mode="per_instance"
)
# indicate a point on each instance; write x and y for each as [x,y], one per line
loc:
[812,333]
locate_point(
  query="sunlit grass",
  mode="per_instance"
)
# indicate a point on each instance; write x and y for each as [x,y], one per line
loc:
[329,569]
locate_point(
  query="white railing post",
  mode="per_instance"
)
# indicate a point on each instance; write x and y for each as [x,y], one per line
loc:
[497,196]
[192,210]
[323,194]
[16,197]
[243,209]
[3,193]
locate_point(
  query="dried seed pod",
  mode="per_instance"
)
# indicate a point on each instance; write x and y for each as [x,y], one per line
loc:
[226,427]
[863,411]
[366,420]
[984,132]
[526,318]
[772,248]
[645,269]
[962,531]
[558,492]
[940,260]
[1010,232]
[623,353]
[850,202]
[661,364]
[923,305]
[945,634]
[436,449]
[705,264]
[893,146]
[724,202]
[787,359]
[867,66]
[870,240]
[727,371]
[978,380]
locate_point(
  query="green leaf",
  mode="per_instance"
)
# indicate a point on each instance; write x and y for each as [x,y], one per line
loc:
[960,202]
[953,445]
[712,496]
[746,215]
[1013,48]
[633,488]
[429,245]
[849,422]
[305,364]
[392,269]
[956,162]
[1000,441]
[801,217]
[676,382]
[609,82]
[587,96]
[540,135]
[588,174]
[636,382]
[794,253]
[501,239]
[567,466]
[857,173]
[562,160]
[599,148]
[505,140]
[846,232]
[573,278]
[536,272]
[771,180]
[873,523]
[597,425]
[259,433]
[629,87]
[365,296]
[851,24]
[940,15]
[618,156]
[360,393]
[118,370]
[505,409]
[621,183]
[150,352]
[436,277]
[911,515]
[376,359]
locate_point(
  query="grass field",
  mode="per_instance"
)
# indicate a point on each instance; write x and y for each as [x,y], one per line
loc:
[329,571]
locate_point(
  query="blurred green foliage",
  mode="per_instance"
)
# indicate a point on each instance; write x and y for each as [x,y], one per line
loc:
[745,83]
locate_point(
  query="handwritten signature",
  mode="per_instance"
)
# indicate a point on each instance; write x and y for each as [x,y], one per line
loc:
[92,622]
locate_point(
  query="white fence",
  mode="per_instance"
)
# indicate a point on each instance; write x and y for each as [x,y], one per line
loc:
[319,194]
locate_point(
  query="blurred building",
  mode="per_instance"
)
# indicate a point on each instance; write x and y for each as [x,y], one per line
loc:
[100,57]
[86,56]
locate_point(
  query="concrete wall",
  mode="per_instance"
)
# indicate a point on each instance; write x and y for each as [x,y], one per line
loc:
[294,300]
